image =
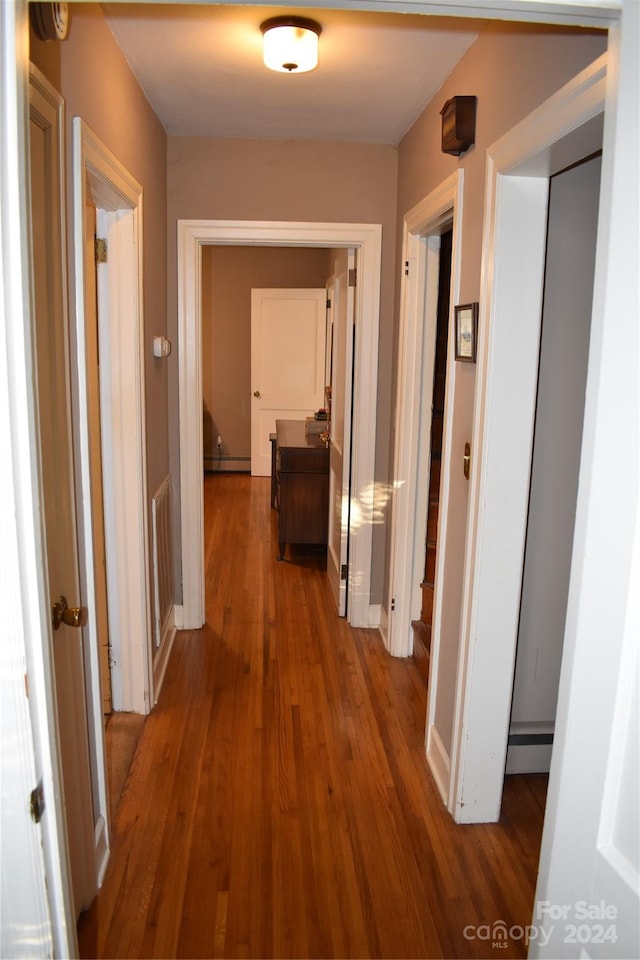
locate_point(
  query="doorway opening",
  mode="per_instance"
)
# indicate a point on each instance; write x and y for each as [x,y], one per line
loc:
[437,214]
[422,628]
[555,466]
[561,132]
[112,470]
[229,275]
[193,236]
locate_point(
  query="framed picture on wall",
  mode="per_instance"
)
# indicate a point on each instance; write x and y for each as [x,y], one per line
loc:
[466,331]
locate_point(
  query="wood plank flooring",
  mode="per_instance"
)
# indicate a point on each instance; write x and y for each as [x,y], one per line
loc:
[279,803]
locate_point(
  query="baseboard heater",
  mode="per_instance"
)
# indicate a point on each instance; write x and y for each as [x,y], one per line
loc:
[528,739]
[529,733]
[162,560]
[213,462]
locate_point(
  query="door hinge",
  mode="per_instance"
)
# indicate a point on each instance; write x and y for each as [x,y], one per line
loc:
[409,268]
[393,604]
[328,304]
[36,803]
[353,276]
[101,250]
[344,570]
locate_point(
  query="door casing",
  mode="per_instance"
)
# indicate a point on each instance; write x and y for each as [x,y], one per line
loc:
[422,227]
[342,331]
[102,180]
[562,131]
[192,236]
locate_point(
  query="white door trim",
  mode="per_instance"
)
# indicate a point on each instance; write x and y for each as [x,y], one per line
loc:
[100,177]
[192,236]
[416,351]
[563,130]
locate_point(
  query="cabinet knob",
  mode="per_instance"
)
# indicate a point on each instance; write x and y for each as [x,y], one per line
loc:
[257,394]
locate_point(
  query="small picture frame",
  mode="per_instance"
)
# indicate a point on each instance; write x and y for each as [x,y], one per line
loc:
[466,330]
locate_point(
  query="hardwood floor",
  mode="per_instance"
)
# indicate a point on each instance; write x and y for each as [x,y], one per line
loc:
[279,803]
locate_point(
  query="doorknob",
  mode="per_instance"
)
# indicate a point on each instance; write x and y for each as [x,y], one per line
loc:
[257,394]
[61,612]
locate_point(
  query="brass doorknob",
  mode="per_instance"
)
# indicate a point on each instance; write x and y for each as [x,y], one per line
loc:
[257,394]
[61,612]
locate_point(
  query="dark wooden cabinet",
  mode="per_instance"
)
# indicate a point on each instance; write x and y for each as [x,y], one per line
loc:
[301,465]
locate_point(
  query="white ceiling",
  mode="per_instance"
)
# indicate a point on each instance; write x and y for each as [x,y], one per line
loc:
[201,69]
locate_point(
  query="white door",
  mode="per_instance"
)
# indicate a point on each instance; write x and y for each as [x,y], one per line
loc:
[340,448]
[588,894]
[56,465]
[287,363]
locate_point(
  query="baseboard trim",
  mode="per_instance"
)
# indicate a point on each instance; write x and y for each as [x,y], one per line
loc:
[161,658]
[102,850]
[375,614]
[383,626]
[439,763]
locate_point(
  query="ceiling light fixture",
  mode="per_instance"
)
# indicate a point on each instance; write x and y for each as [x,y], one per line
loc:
[291,44]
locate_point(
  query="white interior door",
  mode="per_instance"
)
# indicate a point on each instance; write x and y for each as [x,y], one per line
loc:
[340,450]
[287,363]
[56,464]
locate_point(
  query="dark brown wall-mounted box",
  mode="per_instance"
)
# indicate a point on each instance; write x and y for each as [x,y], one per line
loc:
[458,125]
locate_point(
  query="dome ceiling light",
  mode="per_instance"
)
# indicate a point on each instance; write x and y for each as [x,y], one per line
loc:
[290,44]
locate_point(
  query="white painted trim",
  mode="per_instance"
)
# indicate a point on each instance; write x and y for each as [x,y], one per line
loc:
[161,658]
[192,236]
[102,849]
[439,764]
[584,13]
[562,130]
[118,197]
[375,615]
[383,626]
[178,616]
[417,337]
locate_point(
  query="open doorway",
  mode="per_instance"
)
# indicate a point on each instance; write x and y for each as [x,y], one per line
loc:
[193,236]
[422,628]
[229,273]
[560,133]
[562,375]
[424,225]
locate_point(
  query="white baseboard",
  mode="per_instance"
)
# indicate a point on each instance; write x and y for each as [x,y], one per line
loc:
[439,763]
[375,610]
[383,626]
[102,850]
[178,616]
[161,658]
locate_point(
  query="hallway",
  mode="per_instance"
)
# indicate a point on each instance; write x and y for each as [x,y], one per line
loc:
[279,803]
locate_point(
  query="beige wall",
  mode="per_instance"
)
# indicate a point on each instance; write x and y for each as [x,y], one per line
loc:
[511,69]
[97,84]
[228,276]
[227,179]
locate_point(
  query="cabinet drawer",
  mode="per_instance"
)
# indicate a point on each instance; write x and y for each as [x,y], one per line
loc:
[292,460]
